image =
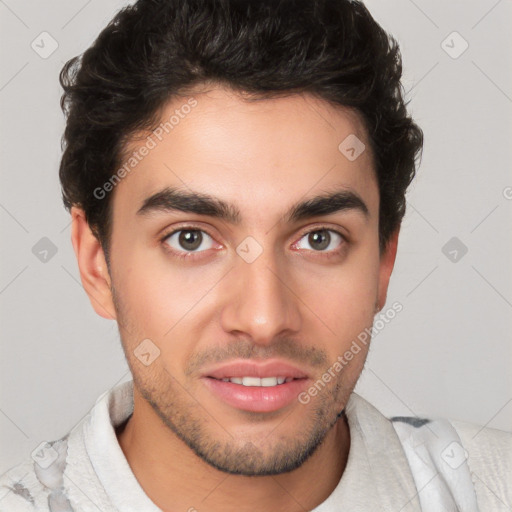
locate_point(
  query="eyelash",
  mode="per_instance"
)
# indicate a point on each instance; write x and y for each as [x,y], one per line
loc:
[192,255]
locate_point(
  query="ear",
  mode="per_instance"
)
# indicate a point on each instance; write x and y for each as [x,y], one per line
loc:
[92,264]
[387,262]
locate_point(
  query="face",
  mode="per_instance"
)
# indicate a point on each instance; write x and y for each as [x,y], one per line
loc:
[245,253]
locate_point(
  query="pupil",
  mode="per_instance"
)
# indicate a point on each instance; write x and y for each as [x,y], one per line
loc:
[320,238]
[190,240]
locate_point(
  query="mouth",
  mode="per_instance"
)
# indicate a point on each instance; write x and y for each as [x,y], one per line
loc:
[257,381]
[255,386]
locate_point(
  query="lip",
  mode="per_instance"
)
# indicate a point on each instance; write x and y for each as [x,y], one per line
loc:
[256,398]
[244,368]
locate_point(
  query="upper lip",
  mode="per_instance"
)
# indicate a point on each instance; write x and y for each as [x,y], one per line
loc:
[252,368]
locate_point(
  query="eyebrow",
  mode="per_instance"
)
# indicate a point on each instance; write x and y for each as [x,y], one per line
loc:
[172,199]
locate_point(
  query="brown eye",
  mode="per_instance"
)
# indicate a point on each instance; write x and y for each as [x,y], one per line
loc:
[321,240]
[189,240]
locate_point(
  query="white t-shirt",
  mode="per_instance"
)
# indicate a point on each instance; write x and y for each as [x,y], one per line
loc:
[399,464]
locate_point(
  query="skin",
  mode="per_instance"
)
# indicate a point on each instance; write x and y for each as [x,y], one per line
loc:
[293,302]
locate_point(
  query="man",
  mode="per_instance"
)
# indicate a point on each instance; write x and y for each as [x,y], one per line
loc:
[236,175]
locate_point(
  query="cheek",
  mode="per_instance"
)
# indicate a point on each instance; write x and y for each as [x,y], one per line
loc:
[344,302]
[161,298]
[344,297]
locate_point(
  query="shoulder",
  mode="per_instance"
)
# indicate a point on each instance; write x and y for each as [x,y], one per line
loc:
[471,460]
[489,457]
[20,489]
[37,482]
[485,444]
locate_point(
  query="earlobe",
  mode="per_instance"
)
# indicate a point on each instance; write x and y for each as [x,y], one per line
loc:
[387,262]
[92,265]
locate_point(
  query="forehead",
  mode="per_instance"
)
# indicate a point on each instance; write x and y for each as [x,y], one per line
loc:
[263,153]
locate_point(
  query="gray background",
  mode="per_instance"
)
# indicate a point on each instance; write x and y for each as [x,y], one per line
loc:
[448,353]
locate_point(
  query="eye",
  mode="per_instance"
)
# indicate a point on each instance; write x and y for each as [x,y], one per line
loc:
[189,240]
[321,240]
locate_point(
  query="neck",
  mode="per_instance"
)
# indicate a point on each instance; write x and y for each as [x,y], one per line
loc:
[175,478]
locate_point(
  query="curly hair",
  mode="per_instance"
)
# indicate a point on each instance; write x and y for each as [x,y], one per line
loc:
[154,50]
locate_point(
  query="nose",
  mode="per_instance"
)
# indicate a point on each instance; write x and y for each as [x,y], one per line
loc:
[260,301]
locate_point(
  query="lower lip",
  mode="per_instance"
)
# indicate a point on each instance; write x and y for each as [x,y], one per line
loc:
[256,398]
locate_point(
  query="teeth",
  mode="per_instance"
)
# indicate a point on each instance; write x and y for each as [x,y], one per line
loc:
[256,381]
[251,381]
